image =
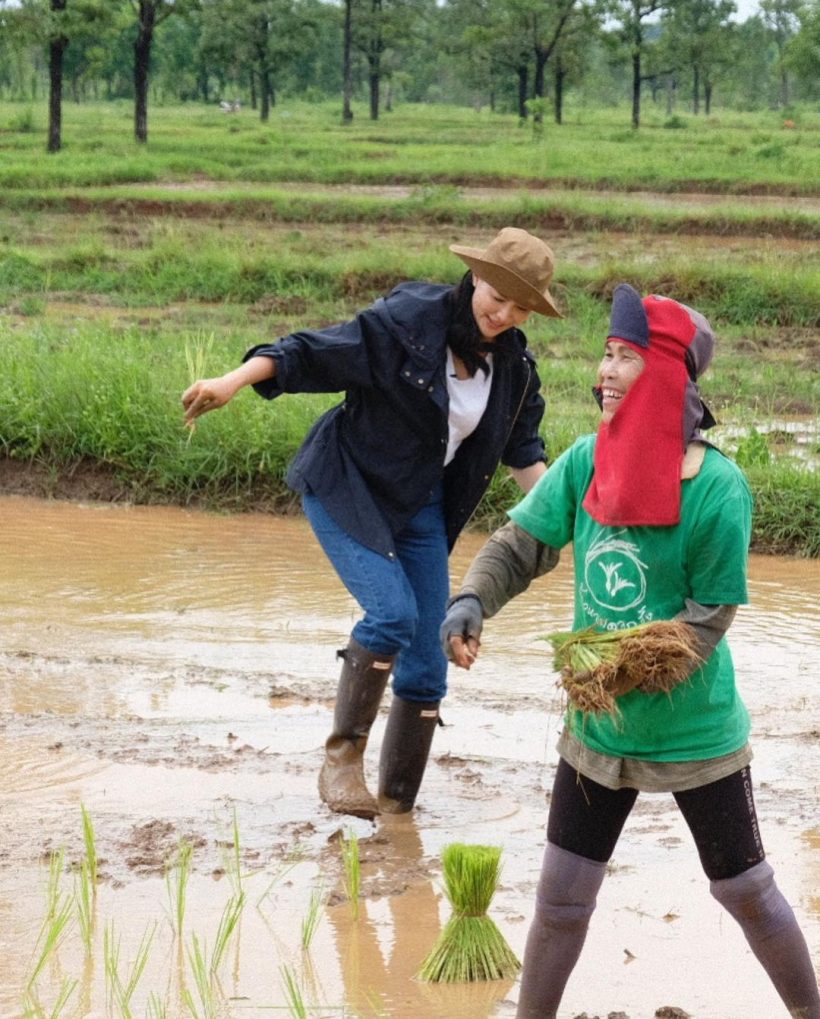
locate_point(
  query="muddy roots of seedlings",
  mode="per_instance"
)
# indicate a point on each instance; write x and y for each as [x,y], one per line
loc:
[470,947]
[597,668]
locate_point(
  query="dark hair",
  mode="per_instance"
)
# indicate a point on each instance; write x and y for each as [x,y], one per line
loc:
[463,335]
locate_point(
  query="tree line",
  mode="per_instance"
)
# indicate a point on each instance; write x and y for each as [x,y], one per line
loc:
[509,55]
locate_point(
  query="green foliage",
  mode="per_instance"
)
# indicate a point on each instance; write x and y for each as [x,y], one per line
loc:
[753,450]
[786,521]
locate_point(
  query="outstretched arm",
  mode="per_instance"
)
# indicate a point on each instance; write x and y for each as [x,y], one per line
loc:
[209,394]
[504,567]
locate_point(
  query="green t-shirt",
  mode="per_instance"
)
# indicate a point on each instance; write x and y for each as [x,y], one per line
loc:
[630,575]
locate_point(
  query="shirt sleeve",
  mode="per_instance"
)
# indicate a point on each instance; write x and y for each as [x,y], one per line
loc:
[325,360]
[719,537]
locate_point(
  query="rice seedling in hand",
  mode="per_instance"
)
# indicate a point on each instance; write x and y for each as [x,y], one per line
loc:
[352,870]
[597,667]
[197,352]
[470,947]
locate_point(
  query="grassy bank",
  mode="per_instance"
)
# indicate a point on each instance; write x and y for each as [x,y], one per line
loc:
[88,395]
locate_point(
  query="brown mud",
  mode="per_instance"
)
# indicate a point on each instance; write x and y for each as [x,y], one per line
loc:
[173,673]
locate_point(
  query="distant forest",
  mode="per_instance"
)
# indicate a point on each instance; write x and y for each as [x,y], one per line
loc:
[512,56]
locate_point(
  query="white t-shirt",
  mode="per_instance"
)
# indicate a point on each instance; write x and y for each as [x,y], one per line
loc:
[468,401]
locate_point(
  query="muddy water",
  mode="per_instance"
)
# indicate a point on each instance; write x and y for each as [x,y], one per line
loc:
[173,673]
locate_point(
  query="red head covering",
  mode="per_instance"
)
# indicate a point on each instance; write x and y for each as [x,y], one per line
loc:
[638,454]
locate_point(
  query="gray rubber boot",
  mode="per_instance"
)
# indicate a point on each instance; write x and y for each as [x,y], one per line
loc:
[406,747]
[769,923]
[361,686]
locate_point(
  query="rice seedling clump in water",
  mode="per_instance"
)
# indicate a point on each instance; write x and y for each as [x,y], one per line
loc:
[597,667]
[470,947]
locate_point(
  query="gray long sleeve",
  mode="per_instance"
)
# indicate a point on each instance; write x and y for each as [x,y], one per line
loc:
[710,623]
[506,566]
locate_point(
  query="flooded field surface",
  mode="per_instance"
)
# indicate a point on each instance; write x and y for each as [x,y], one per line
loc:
[172,674]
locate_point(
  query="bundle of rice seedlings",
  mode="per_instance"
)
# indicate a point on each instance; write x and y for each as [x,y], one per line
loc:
[470,947]
[598,667]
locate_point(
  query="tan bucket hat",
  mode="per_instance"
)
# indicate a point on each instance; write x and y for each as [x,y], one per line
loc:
[518,265]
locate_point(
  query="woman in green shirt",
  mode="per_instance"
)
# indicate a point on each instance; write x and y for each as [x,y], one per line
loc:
[660,523]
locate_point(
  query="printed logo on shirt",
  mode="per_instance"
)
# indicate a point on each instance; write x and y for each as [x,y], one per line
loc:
[614,576]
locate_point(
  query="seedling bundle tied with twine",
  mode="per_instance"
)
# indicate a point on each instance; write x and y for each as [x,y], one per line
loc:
[470,947]
[598,667]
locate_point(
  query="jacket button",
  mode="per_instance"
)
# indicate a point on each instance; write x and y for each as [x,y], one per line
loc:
[407,375]
[429,389]
[421,382]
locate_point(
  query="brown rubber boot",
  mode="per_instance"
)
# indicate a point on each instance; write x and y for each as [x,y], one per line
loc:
[406,747]
[361,686]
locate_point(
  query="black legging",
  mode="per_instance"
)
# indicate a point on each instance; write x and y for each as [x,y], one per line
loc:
[586,818]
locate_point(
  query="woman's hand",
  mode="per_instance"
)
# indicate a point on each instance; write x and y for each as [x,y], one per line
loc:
[205,395]
[460,633]
[209,394]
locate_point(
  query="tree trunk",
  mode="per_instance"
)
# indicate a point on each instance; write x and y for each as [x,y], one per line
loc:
[264,94]
[540,64]
[374,79]
[56,50]
[696,90]
[560,74]
[347,67]
[671,94]
[707,97]
[142,60]
[636,88]
[252,83]
[523,80]
[202,85]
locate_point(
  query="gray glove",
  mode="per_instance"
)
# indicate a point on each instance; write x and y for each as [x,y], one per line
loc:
[464,618]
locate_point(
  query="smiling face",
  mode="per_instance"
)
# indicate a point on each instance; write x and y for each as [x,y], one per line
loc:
[493,312]
[619,367]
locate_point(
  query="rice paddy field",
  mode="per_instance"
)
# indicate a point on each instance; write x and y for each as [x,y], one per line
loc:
[126,269]
[165,689]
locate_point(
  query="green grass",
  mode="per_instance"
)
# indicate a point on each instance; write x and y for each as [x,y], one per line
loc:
[416,144]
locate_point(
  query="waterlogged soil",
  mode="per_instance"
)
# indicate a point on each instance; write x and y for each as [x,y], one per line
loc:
[172,673]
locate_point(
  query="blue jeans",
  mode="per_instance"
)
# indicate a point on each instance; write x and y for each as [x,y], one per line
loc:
[403,599]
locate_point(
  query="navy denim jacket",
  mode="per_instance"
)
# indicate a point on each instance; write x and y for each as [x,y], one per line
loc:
[376,458]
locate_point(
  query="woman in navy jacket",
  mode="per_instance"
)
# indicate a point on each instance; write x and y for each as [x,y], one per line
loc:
[439,389]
